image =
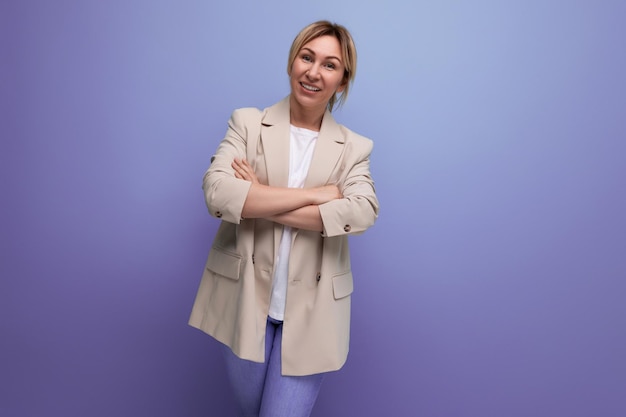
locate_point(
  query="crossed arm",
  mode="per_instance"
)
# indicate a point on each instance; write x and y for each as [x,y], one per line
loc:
[294,207]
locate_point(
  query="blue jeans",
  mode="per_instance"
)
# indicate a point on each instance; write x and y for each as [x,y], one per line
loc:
[262,391]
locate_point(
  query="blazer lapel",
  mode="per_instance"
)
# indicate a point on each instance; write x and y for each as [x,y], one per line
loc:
[275,142]
[328,149]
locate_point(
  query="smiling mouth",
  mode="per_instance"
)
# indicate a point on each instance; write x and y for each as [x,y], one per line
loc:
[309,87]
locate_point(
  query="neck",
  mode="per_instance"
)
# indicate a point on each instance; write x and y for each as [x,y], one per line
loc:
[306,118]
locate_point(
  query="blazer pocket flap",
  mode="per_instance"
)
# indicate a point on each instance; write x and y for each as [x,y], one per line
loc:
[224,263]
[342,285]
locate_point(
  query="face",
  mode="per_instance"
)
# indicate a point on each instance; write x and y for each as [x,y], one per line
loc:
[317,73]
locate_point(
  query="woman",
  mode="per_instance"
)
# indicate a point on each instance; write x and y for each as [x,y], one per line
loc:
[290,185]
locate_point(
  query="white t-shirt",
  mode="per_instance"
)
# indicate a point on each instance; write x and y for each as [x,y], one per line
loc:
[301,146]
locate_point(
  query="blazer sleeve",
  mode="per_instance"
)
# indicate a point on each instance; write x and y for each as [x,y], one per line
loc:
[224,194]
[358,210]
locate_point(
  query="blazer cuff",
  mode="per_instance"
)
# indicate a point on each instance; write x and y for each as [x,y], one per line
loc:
[228,206]
[333,221]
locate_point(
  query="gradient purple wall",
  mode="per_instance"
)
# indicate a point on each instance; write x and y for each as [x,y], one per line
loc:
[493,284]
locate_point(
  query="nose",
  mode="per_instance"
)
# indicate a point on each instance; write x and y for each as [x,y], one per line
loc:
[313,72]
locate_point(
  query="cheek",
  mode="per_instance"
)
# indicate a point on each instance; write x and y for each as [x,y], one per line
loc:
[297,67]
[338,83]
[294,70]
[293,77]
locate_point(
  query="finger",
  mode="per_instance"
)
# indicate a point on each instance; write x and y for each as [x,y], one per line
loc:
[237,163]
[246,165]
[238,170]
[247,169]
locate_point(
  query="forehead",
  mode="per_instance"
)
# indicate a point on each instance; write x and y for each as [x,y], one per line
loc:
[324,46]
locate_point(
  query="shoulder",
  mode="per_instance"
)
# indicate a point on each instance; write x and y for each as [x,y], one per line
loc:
[358,142]
[277,110]
[244,119]
[245,115]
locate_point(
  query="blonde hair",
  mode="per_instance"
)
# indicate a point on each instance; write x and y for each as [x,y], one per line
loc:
[348,51]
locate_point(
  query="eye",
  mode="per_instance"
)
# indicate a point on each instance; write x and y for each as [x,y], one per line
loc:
[330,66]
[307,58]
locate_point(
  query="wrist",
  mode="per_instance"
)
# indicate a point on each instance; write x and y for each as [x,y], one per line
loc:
[310,196]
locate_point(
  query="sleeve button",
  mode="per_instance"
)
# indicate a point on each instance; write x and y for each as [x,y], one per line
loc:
[319,276]
[218,214]
[347,228]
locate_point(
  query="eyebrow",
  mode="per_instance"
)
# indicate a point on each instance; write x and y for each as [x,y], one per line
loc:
[313,52]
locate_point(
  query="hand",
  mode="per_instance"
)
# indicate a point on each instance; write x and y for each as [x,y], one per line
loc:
[244,171]
[325,194]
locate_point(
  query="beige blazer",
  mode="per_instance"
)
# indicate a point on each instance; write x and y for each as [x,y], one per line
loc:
[232,302]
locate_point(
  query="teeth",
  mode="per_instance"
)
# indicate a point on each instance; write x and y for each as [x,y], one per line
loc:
[309,87]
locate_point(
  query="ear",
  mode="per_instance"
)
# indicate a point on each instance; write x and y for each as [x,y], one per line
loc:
[341,87]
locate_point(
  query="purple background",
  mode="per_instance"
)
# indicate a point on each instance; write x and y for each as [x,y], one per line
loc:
[493,284]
